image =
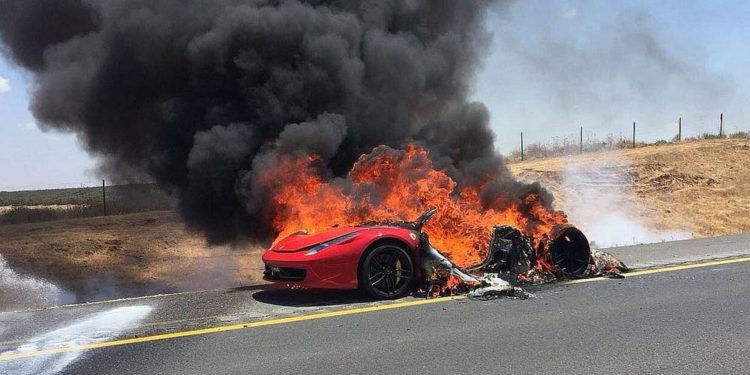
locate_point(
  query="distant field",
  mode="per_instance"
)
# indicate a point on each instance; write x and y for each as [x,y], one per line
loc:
[75,196]
[30,206]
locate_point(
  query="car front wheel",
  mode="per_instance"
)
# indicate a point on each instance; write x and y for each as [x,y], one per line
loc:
[387,272]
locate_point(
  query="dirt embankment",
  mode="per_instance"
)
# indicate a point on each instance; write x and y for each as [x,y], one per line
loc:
[125,255]
[700,187]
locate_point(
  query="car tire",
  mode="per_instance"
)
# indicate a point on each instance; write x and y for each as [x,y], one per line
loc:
[387,272]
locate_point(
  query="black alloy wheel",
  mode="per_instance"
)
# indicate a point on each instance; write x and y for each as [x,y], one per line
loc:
[387,272]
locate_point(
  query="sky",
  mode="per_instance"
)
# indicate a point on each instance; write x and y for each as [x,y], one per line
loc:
[555,66]
[29,157]
[552,67]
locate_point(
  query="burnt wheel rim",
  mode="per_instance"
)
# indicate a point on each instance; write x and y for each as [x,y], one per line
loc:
[571,252]
[390,271]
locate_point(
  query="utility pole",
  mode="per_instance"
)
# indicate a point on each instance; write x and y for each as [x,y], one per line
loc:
[679,130]
[581,148]
[721,125]
[633,134]
[104,199]
[521,146]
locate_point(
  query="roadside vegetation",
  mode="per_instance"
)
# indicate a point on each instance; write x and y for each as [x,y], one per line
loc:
[18,207]
[571,145]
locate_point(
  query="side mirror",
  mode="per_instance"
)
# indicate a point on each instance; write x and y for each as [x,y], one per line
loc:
[424,218]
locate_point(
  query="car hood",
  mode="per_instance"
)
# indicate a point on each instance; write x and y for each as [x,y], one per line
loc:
[299,241]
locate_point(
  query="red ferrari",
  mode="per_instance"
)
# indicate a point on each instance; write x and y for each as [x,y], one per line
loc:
[379,258]
[386,260]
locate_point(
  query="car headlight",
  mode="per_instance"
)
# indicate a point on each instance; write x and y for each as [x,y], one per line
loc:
[338,240]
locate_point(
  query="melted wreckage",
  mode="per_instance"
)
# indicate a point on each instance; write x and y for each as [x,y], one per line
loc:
[513,261]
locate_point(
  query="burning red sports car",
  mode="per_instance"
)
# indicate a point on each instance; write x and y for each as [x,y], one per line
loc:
[379,258]
[390,259]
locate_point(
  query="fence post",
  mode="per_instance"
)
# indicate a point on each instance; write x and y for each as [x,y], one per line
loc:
[104,199]
[581,148]
[721,125]
[521,146]
[633,134]
[679,130]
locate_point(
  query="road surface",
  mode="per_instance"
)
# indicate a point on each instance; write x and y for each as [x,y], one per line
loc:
[685,320]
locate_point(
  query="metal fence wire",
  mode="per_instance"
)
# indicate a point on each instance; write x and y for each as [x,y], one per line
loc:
[577,144]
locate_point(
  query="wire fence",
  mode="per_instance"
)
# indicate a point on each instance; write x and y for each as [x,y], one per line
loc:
[41,203]
[27,204]
[576,143]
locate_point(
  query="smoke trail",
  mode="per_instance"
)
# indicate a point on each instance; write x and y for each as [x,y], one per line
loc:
[596,199]
[198,94]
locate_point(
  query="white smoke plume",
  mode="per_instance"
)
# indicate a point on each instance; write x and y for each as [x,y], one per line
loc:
[21,291]
[597,202]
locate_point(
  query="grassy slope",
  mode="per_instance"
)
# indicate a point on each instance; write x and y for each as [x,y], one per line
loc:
[82,195]
[702,187]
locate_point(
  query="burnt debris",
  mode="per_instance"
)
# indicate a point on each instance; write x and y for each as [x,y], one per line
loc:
[513,260]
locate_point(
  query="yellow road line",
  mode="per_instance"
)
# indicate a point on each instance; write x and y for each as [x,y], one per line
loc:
[321,315]
[233,327]
[681,267]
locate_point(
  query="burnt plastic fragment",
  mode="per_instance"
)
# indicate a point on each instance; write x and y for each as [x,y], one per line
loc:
[509,253]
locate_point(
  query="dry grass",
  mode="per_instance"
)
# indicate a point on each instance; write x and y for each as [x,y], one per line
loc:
[700,186]
[59,207]
[125,255]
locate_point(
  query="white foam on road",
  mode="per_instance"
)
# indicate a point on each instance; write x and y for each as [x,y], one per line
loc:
[98,327]
[20,291]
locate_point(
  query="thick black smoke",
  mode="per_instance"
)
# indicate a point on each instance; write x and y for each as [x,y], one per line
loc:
[195,94]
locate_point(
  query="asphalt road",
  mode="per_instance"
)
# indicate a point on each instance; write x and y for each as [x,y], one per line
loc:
[691,320]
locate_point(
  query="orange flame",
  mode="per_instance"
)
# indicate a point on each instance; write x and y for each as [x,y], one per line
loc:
[398,185]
